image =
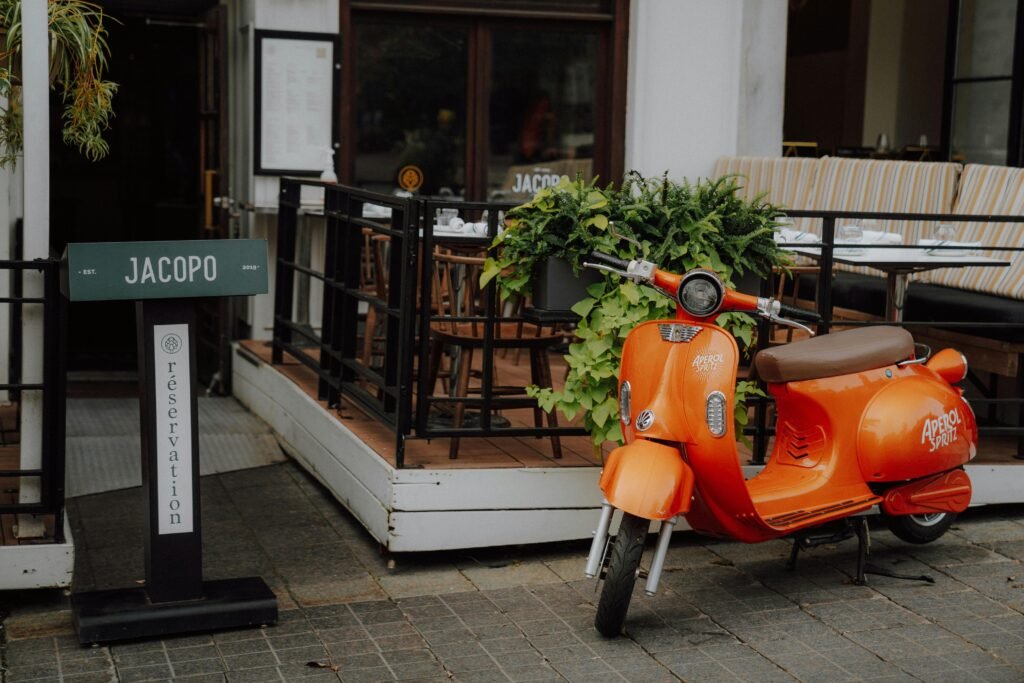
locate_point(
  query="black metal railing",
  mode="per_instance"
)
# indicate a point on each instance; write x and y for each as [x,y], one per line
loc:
[50,473]
[488,318]
[824,317]
[393,390]
[383,390]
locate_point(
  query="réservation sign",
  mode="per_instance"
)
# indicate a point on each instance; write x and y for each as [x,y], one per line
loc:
[105,271]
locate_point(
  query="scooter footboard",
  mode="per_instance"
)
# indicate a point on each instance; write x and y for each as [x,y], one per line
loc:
[648,479]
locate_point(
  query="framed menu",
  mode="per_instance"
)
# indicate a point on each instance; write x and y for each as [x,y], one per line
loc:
[298,78]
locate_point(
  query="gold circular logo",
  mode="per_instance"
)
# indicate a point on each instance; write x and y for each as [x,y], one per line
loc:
[410,178]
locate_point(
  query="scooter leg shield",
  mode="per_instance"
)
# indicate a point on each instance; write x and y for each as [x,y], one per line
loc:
[648,479]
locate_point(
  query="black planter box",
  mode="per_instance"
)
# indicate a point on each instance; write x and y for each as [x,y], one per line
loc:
[557,288]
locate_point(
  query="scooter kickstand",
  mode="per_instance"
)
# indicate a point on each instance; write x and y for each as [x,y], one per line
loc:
[860,527]
[794,553]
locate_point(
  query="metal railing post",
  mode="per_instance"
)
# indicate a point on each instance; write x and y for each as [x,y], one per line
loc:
[284,281]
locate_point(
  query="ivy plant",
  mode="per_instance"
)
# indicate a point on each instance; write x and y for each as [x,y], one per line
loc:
[78,60]
[679,226]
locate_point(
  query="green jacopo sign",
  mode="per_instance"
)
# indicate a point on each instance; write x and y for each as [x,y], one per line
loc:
[105,271]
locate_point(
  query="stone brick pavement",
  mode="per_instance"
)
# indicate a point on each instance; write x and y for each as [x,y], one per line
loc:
[727,612]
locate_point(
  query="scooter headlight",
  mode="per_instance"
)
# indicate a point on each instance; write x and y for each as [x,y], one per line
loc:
[701,293]
[624,408]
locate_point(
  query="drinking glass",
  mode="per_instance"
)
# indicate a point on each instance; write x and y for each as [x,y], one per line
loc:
[943,232]
[850,234]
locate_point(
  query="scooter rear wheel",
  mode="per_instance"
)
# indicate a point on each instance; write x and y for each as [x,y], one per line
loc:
[620,575]
[920,528]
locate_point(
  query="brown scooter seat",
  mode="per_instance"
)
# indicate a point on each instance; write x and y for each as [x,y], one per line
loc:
[838,353]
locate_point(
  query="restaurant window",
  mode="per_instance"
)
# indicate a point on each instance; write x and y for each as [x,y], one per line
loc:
[486,100]
[983,83]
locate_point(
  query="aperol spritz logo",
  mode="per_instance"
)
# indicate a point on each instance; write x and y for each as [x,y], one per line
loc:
[705,363]
[939,432]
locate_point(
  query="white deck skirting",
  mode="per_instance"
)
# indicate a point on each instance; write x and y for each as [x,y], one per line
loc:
[442,509]
[419,509]
[42,565]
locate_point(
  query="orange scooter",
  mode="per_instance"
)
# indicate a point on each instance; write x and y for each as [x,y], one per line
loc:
[863,422]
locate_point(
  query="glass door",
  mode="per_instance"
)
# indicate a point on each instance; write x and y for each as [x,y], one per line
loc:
[478,106]
[411,84]
[543,108]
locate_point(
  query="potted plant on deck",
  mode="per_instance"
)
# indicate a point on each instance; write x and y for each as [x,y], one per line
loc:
[677,225]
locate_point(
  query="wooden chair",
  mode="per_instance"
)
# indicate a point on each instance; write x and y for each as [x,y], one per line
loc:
[456,293]
[373,277]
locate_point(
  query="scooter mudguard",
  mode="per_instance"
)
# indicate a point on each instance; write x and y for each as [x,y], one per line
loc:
[648,479]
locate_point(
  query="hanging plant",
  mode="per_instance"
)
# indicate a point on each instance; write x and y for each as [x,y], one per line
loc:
[676,225]
[78,59]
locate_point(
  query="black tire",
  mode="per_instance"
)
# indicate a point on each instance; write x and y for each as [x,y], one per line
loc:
[621,575]
[920,528]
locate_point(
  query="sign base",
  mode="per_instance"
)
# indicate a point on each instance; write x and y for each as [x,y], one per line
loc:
[128,613]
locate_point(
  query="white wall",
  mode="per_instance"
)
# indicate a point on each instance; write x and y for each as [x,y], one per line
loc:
[318,16]
[706,79]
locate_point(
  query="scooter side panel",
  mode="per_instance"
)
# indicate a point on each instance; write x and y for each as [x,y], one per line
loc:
[913,427]
[647,479]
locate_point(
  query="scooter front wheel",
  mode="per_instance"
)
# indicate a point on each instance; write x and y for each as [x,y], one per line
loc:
[620,576]
[920,528]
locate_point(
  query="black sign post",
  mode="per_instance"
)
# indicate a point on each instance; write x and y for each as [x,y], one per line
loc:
[175,599]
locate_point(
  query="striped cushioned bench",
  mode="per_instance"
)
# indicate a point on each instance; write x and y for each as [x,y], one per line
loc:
[996,190]
[786,182]
[839,184]
[886,186]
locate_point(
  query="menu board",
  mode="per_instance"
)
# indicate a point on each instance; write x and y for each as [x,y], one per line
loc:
[297,79]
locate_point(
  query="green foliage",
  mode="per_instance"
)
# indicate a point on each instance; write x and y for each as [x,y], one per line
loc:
[78,59]
[676,225]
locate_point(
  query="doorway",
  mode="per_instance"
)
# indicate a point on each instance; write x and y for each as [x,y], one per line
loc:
[149,187]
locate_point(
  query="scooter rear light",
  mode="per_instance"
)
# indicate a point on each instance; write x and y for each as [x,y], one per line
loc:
[949,364]
[624,399]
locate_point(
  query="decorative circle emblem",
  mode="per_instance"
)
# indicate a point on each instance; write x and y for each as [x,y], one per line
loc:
[171,343]
[410,178]
[644,420]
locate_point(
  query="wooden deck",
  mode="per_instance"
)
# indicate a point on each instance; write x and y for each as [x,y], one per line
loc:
[475,452]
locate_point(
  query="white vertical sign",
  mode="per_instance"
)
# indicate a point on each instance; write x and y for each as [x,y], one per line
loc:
[172,379]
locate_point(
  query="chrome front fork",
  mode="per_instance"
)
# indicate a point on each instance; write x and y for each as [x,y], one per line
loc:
[660,551]
[599,547]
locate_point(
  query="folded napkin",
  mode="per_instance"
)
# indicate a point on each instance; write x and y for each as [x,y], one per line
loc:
[375,211]
[962,248]
[789,236]
[880,237]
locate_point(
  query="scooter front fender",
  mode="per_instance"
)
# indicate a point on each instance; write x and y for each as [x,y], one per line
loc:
[648,479]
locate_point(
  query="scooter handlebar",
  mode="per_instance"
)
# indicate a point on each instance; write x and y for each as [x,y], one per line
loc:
[799,313]
[608,260]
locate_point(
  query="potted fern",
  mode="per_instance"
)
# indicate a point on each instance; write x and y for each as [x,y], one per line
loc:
[78,59]
[677,225]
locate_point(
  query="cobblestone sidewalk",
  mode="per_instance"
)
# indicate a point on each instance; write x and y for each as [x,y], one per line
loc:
[727,612]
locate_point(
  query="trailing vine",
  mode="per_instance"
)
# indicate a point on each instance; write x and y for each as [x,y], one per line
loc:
[78,60]
[679,226]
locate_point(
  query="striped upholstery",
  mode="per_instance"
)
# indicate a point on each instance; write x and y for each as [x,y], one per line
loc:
[786,182]
[989,190]
[885,186]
